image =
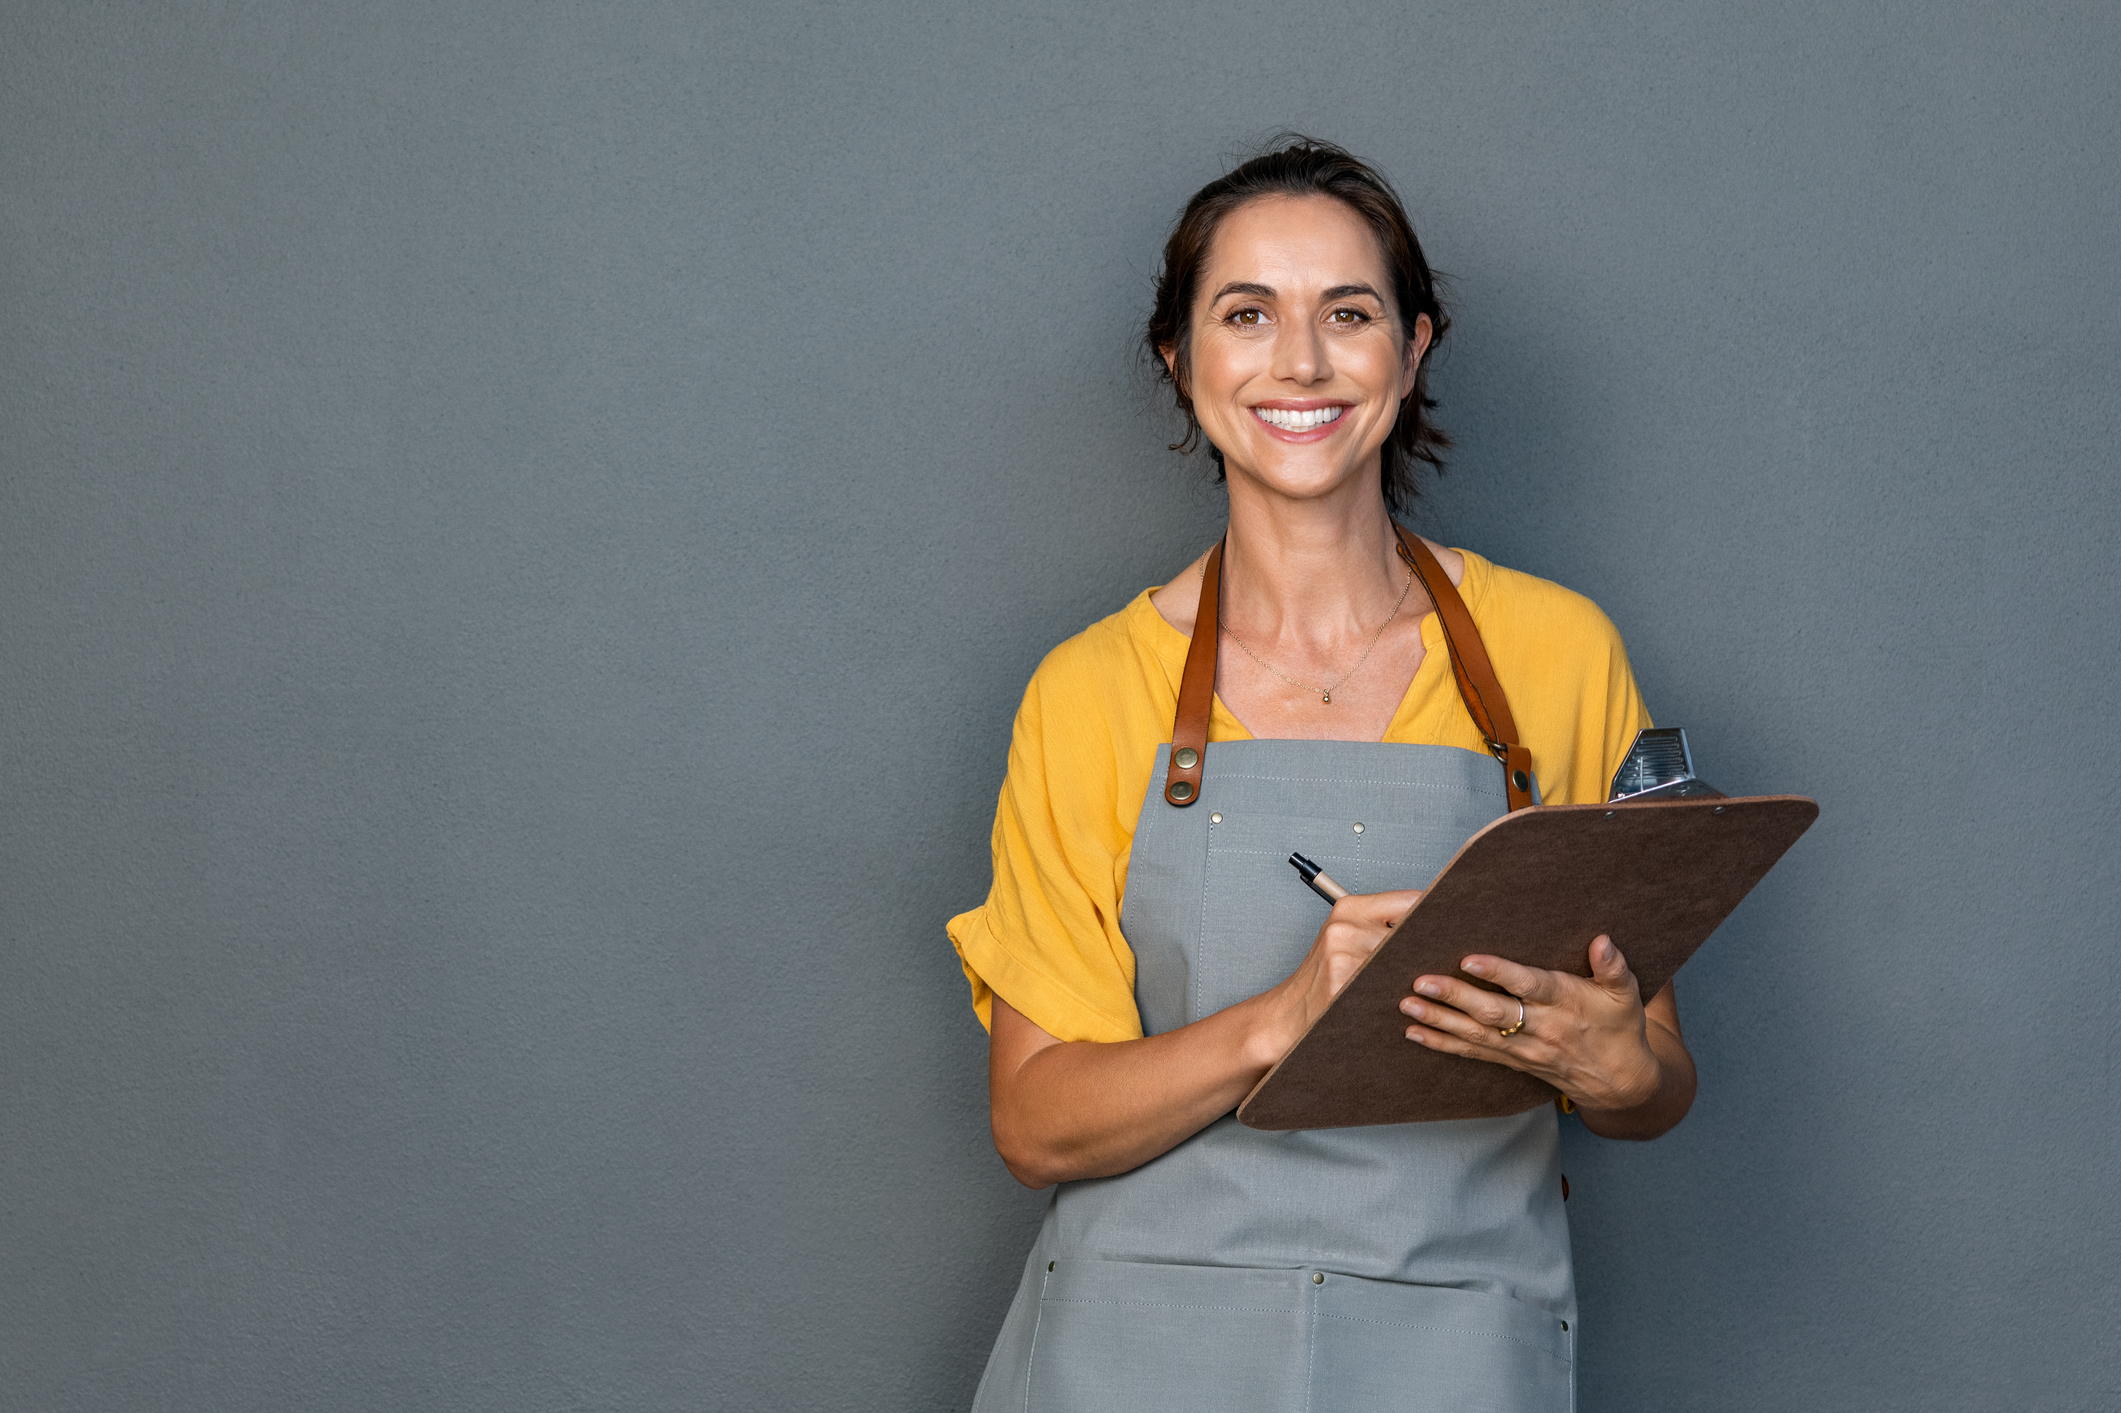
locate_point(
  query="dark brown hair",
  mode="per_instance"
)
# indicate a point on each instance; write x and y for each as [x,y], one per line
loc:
[1296,165]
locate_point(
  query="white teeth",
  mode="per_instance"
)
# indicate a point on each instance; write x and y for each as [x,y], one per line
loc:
[1298,421]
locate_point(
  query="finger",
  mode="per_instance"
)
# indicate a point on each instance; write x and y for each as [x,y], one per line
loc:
[1450,1020]
[1375,910]
[1431,1038]
[1610,969]
[1485,1007]
[1527,983]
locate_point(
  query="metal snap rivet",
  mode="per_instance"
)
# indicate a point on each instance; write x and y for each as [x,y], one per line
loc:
[1187,757]
[1612,814]
[1717,810]
[1183,790]
[1051,1264]
[1215,819]
[1318,1277]
[1358,828]
[1521,780]
[1564,1325]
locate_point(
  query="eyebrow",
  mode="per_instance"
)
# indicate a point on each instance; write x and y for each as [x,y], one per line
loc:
[1267,291]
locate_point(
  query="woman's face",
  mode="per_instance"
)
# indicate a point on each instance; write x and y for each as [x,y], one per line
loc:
[1298,361]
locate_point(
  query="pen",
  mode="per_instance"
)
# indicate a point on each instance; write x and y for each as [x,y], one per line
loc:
[1317,879]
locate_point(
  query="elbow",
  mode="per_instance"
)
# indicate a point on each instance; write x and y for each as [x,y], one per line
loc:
[1632,1128]
[1031,1163]
[1036,1179]
[1029,1168]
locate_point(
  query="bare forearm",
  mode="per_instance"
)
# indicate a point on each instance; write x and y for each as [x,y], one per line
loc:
[1668,1102]
[1084,1109]
[1066,1110]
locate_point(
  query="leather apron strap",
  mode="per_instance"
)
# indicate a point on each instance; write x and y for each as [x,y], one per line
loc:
[1196,688]
[1470,667]
[1477,684]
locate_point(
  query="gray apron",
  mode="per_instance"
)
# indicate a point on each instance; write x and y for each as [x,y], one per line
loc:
[1408,1266]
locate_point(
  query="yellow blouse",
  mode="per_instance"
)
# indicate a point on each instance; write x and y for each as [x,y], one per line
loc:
[1048,936]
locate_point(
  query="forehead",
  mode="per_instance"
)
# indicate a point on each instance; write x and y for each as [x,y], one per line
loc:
[1296,245]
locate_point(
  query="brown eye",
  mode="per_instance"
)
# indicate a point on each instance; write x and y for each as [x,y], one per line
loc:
[1246,317]
[1349,316]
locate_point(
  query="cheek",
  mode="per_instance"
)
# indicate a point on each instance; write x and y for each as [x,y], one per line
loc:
[1380,364]
[1218,380]
[1222,364]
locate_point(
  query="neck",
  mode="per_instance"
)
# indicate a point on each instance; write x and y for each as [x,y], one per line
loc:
[1311,570]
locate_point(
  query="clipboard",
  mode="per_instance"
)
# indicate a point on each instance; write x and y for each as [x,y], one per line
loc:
[1535,886]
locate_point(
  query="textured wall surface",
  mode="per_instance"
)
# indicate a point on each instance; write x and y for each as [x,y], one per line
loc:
[522,528]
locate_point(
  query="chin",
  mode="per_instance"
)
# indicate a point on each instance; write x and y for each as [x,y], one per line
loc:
[1302,477]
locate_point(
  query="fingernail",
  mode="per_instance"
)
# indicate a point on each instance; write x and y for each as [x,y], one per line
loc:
[1478,968]
[1415,1036]
[1430,988]
[1415,1009]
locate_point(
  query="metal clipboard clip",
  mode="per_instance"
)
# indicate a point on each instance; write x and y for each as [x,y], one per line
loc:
[1659,766]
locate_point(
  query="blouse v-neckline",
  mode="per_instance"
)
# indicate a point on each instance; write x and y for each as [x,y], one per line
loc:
[1417,720]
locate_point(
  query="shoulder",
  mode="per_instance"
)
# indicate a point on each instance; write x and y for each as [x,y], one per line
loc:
[1566,673]
[1111,657]
[1535,615]
[1104,691]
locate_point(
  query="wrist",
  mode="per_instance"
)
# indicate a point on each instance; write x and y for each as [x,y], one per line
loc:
[1634,1090]
[1276,1024]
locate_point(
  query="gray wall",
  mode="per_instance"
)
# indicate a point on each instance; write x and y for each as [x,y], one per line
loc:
[521,529]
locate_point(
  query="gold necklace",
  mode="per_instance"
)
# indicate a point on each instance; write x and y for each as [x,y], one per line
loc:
[1325,693]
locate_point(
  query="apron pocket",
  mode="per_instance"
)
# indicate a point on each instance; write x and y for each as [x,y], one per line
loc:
[1116,1335]
[1384,1345]
[1257,920]
[1127,1335]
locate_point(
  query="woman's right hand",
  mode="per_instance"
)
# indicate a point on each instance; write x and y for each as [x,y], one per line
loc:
[1353,931]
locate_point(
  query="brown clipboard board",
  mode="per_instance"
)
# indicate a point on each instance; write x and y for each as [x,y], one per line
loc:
[1535,886]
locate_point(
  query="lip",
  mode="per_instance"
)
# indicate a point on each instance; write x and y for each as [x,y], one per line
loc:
[1301,404]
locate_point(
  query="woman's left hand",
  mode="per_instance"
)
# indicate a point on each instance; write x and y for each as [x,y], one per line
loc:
[1588,1037]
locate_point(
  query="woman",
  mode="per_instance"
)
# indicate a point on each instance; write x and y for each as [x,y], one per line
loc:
[1145,954]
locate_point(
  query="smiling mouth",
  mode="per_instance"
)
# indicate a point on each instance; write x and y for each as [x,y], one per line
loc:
[1298,421]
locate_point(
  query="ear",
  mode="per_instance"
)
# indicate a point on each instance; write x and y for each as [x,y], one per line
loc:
[1418,345]
[1169,353]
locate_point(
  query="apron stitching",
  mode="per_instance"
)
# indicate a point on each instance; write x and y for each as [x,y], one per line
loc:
[1200,936]
[1311,1353]
[1325,854]
[1170,1305]
[1031,1355]
[1224,776]
[1271,853]
[1444,1329]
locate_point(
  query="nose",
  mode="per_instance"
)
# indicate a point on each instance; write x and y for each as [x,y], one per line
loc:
[1300,353]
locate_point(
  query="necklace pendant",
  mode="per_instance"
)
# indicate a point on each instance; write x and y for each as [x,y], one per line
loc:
[1326,697]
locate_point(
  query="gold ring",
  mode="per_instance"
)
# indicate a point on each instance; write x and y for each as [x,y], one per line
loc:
[1506,1034]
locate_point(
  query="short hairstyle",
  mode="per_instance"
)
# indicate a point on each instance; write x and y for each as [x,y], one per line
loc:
[1296,165]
